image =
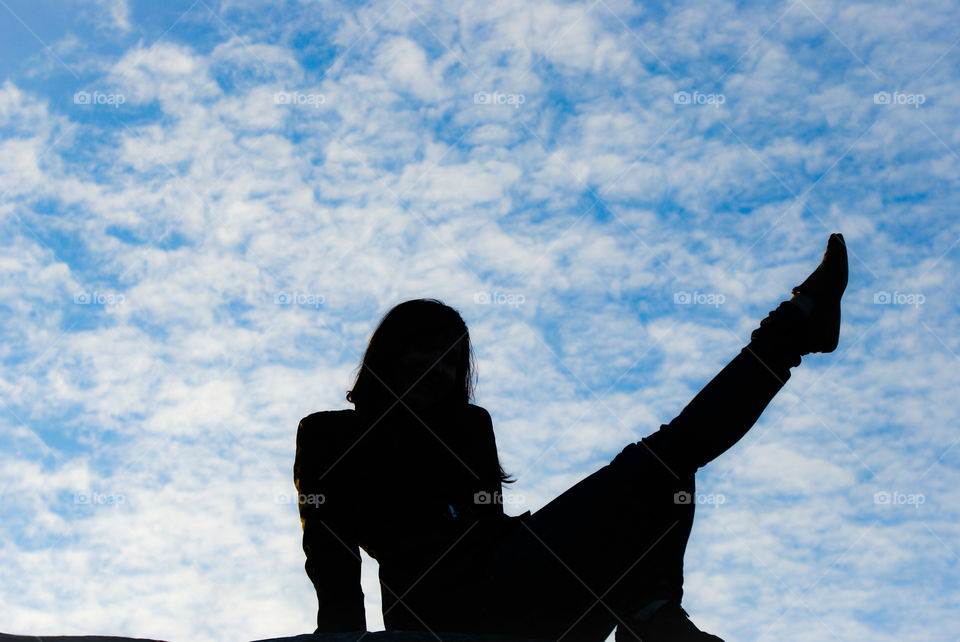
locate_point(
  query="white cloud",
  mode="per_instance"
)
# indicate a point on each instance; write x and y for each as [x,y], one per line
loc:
[202,198]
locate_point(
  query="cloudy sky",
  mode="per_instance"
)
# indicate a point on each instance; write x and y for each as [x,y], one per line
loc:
[206,207]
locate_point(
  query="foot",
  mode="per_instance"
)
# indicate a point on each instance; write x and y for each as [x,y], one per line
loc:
[819,297]
[668,623]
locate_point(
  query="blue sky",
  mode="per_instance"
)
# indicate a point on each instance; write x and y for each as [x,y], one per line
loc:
[207,207]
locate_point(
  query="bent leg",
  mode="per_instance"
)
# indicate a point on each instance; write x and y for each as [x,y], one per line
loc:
[571,568]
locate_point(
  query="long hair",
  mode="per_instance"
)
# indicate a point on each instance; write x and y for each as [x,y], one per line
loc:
[375,388]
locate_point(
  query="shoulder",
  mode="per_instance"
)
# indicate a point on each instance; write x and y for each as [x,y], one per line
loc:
[324,427]
[327,417]
[479,422]
[322,441]
[478,413]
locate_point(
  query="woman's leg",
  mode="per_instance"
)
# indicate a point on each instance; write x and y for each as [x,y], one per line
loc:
[568,570]
[729,405]
[602,550]
[613,542]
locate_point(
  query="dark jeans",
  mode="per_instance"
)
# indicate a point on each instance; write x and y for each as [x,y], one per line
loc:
[614,541]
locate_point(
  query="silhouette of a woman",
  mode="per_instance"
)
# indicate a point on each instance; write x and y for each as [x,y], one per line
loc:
[412,476]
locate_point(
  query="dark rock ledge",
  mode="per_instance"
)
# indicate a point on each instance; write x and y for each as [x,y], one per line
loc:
[355,636]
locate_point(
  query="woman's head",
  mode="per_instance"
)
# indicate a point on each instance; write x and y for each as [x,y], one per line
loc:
[419,356]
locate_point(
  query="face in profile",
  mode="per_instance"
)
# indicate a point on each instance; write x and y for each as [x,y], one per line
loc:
[427,371]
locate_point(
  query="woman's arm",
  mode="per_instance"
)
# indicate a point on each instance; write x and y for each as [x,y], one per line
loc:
[329,538]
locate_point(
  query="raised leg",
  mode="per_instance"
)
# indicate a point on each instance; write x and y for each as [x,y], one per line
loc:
[602,550]
[613,542]
[730,404]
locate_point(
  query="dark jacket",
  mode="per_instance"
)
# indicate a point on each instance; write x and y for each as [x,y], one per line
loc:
[421,500]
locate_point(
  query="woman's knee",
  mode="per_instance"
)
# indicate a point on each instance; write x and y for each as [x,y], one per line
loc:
[640,463]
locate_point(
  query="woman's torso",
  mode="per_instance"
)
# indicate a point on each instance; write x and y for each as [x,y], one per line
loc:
[414,488]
